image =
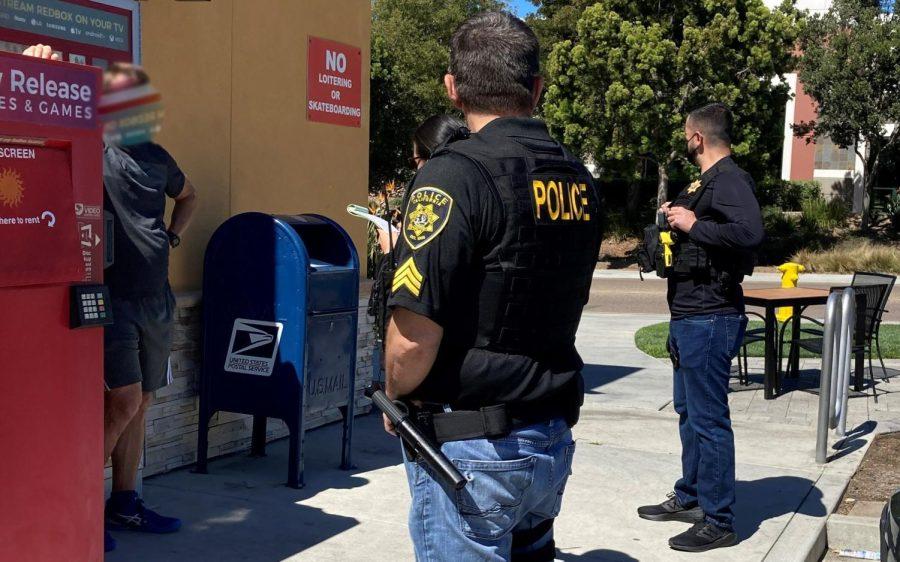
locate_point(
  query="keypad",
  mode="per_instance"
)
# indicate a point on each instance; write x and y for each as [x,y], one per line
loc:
[90,306]
[93,306]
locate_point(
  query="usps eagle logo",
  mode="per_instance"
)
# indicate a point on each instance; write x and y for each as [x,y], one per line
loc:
[11,188]
[427,214]
[253,347]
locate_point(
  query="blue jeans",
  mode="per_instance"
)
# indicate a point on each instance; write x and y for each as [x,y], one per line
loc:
[705,346]
[514,490]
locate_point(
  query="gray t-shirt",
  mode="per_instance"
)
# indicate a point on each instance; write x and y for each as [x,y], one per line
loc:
[137,180]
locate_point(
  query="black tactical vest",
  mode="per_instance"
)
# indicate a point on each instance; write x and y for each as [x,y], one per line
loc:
[533,293]
[727,266]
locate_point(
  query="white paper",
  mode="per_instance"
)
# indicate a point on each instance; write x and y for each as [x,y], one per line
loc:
[363,213]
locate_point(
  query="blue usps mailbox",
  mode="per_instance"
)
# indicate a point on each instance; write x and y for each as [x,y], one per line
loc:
[280,306]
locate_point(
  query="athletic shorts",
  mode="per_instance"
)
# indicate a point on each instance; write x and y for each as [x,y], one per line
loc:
[137,344]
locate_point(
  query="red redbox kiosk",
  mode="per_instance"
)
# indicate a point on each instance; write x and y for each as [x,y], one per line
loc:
[51,311]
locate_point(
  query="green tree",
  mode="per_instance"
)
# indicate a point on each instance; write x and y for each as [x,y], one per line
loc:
[410,55]
[555,21]
[619,91]
[851,68]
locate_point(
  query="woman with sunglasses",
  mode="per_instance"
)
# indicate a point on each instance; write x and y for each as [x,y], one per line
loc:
[431,134]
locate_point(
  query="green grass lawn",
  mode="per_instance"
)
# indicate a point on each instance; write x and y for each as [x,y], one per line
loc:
[652,341]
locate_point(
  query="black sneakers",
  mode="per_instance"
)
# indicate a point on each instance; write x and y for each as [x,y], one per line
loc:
[702,536]
[671,510]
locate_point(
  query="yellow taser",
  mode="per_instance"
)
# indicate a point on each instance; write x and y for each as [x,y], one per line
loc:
[665,237]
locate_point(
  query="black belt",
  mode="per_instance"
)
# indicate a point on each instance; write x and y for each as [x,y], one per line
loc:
[491,422]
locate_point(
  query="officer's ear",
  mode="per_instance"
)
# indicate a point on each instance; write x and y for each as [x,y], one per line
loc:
[536,89]
[450,85]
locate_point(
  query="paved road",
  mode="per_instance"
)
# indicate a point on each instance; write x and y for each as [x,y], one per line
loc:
[621,295]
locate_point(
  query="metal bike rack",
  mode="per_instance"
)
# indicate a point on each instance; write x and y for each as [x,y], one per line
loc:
[837,352]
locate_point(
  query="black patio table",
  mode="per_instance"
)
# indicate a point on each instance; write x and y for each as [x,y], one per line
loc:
[770,300]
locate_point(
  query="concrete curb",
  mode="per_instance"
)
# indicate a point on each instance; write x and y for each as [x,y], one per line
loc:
[860,529]
[855,532]
[804,538]
[796,542]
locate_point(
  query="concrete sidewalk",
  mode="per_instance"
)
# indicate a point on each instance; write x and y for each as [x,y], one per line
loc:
[759,276]
[628,455]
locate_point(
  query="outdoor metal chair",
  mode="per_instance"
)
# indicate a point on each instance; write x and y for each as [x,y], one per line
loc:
[877,289]
[750,336]
[863,278]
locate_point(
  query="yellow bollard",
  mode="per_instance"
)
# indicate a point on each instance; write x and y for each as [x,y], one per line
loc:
[790,275]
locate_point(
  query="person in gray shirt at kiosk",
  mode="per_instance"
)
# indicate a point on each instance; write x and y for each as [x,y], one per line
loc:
[137,179]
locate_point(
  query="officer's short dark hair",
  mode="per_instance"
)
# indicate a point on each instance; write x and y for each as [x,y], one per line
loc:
[714,121]
[495,58]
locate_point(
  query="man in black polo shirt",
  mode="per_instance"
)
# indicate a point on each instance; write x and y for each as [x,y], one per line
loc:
[713,251]
[499,242]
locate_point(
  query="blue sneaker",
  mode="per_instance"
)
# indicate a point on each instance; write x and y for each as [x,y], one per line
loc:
[109,543]
[126,511]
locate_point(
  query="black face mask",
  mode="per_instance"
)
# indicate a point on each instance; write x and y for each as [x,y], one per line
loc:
[691,153]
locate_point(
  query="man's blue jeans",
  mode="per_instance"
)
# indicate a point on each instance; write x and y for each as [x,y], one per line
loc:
[705,346]
[515,486]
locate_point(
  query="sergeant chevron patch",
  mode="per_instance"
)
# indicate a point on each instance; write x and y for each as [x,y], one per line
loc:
[407,275]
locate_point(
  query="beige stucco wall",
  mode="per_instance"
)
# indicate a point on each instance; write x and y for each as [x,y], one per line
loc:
[233,78]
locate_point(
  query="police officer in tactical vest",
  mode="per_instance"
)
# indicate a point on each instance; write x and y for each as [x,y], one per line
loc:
[711,230]
[499,241]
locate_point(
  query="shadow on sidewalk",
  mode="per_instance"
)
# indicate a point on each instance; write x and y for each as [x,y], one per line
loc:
[372,449]
[243,511]
[853,441]
[219,528]
[767,498]
[807,380]
[596,376]
[600,555]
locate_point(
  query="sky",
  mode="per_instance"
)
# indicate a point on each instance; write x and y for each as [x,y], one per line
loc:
[521,7]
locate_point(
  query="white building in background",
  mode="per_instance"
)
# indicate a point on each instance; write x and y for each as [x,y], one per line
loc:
[839,171]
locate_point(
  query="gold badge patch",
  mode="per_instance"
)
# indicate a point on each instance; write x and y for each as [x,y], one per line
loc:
[427,214]
[695,185]
[407,275]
